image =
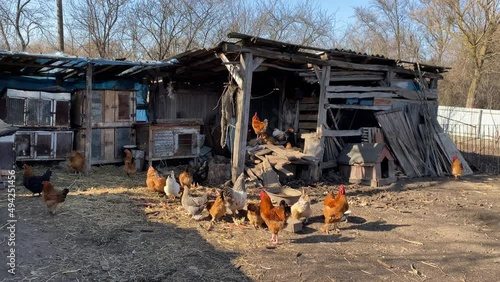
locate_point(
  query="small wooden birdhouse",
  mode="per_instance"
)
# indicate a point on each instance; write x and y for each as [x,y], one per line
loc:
[367,163]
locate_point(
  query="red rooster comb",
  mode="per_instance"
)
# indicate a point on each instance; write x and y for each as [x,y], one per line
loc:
[342,189]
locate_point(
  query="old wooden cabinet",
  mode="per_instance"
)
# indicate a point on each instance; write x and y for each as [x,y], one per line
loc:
[113,116]
[43,144]
[43,119]
[169,139]
[36,108]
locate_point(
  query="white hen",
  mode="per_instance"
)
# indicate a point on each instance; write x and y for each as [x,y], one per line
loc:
[235,198]
[172,188]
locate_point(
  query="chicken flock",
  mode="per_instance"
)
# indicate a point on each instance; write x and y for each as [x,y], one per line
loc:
[230,198]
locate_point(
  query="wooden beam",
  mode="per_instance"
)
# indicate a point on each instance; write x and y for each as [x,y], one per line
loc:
[233,70]
[359,89]
[358,107]
[323,83]
[357,78]
[229,47]
[359,95]
[88,118]
[242,112]
[341,133]
[417,95]
[257,62]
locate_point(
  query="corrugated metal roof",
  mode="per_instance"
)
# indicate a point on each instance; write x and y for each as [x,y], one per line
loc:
[63,65]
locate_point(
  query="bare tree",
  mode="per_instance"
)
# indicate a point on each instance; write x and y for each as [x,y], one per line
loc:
[476,23]
[99,21]
[21,20]
[387,25]
[429,14]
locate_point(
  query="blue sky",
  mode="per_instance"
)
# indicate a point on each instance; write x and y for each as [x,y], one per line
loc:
[343,9]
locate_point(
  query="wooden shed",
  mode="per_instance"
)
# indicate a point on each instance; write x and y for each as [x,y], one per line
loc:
[330,97]
[367,163]
[39,91]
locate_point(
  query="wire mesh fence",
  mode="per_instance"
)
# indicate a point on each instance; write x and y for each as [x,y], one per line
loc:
[479,144]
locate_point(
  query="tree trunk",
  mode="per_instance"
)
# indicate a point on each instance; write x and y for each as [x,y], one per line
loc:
[471,92]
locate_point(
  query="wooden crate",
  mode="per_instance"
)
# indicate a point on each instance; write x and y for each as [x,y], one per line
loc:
[169,139]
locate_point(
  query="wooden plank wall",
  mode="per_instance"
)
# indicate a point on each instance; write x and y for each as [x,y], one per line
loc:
[189,103]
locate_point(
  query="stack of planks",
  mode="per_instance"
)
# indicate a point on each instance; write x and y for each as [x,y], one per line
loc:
[270,160]
[421,149]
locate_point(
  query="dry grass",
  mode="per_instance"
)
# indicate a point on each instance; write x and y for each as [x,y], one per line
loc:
[112,228]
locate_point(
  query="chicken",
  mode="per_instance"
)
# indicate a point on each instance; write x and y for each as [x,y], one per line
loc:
[285,136]
[171,188]
[268,139]
[155,181]
[336,207]
[200,175]
[457,169]
[235,198]
[274,217]
[253,214]
[194,206]
[76,162]
[258,126]
[185,178]
[130,167]
[301,210]
[34,183]
[216,208]
[53,197]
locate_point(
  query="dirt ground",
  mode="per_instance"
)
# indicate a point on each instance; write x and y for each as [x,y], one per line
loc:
[112,228]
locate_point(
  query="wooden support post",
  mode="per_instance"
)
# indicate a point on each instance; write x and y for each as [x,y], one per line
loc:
[324,82]
[242,74]
[88,120]
[242,116]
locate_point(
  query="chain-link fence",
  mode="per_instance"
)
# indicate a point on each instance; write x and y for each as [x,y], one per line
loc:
[480,145]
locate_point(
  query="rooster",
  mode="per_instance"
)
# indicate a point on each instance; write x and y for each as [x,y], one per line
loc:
[76,162]
[258,126]
[457,169]
[53,197]
[274,217]
[235,198]
[34,183]
[336,209]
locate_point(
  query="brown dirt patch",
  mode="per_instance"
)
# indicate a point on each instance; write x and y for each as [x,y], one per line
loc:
[113,229]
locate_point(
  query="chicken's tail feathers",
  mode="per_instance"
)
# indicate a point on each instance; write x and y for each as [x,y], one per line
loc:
[345,216]
[197,217]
